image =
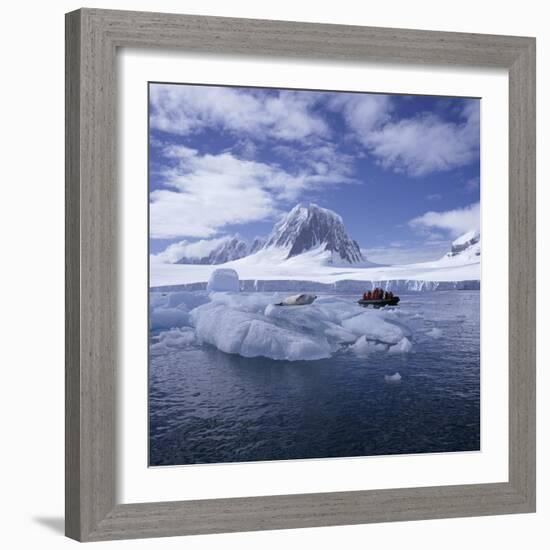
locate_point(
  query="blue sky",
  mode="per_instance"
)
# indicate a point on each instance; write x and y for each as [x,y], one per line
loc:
[402,171]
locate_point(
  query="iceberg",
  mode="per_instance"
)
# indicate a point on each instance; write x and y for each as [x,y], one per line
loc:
[252,325]
[403,346]
[223,280]
[174,338]
[245,302]
[392,378]
[364,347]
[167,317]
[435,333]
[253,335]
[373,326]
[186,299]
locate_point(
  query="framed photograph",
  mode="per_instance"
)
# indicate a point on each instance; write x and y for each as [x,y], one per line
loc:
[279,313]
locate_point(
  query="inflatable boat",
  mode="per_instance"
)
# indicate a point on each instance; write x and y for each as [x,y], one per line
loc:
[379,303]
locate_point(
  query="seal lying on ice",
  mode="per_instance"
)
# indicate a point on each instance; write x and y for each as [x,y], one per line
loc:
[298,300]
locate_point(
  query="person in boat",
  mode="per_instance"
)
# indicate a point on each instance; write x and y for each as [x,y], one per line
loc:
[365,296]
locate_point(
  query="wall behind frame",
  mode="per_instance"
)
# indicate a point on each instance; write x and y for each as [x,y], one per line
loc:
[32,227]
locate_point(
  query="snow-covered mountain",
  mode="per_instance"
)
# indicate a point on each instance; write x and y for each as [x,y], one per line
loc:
[310,250]
[257,244]
[311,227]
[227,251]
[303,229]
[466,248]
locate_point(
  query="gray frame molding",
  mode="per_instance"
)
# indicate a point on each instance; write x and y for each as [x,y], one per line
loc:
[92,37]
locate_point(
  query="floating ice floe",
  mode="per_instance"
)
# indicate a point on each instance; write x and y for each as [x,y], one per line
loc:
[167,317]
[237,324]
[174,338]
[392,378]
[364,347]
[169,310]
[251,325]
[254,302]
[187,299]
[373,326]
[252,335]
[435,333]
[403,346]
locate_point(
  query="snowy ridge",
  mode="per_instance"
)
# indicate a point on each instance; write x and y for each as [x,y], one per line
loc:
[272,264]
[227,251]
[257,244]
[467,247]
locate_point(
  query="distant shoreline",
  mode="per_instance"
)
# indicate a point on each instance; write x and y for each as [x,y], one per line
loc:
[344,286]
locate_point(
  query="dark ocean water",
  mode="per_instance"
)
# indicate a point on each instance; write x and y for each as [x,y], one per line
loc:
[207,406]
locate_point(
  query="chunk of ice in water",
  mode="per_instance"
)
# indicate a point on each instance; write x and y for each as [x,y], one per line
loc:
[189,299]
[168,317]
[364,347]
[174,338]
[251,325]
[177,337]
[252,335]
[253,302]
[392,377]
[435,333]
[375,327]
[223,280]
[338,335]
[403,346]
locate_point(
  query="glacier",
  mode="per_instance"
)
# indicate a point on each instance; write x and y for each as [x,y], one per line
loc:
[313,270]
[343,286]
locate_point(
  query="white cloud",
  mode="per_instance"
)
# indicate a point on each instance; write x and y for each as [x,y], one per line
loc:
[284,115]
[456,222]
[427,144]
[363,113]
[416,146]
[323,159]
[197,249]
[204,193]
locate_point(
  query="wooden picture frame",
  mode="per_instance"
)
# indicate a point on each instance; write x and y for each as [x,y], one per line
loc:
[92,39]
